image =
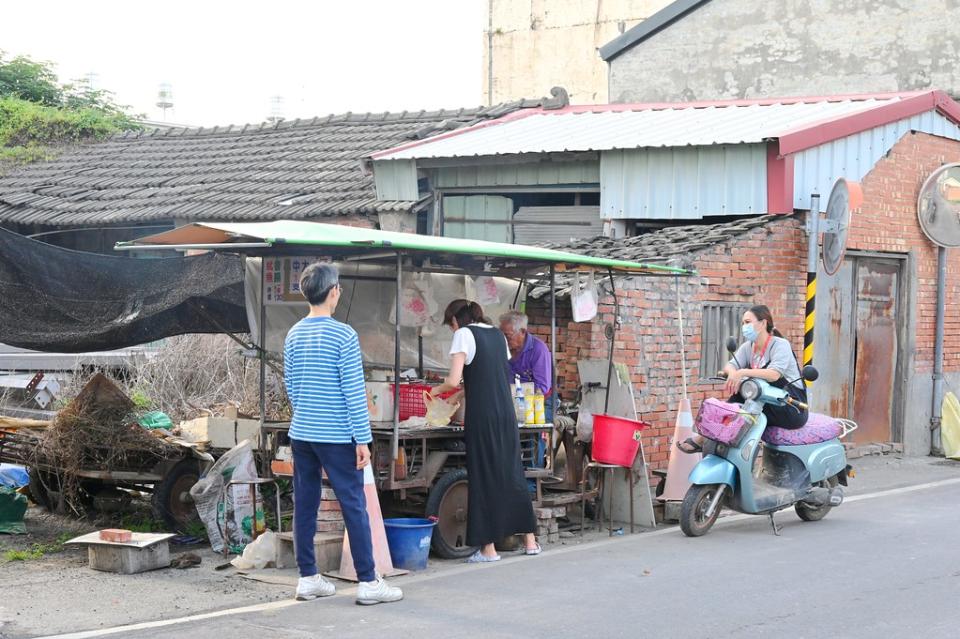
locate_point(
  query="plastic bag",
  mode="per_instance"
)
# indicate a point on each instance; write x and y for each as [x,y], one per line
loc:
[155,419]
[13,476]
[210,491]
[486,291]
[585,426]
[416,304]
[584,299]
[439,411]
[950,427]
[259,554]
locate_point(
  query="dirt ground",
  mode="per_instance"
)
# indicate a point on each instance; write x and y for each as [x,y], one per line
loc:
[53,591]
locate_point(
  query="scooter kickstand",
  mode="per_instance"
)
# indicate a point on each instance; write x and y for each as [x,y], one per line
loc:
[773,524]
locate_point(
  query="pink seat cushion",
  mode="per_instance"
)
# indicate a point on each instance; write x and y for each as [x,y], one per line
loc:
[819,428]
[720,421]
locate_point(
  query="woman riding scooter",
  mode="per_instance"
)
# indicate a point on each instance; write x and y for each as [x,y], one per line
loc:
[766,355]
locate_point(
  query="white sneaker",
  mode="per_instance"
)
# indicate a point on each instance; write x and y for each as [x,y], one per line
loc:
[374,592]
[312,587]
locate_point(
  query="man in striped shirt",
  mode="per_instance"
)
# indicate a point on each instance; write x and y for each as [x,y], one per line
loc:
[330,431]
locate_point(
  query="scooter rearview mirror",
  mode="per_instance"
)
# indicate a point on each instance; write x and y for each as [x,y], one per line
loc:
[732,344]
[810,373]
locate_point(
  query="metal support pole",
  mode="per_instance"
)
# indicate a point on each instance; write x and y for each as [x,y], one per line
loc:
[813,255]
[683,343]
[935,447]
[263,346]
[553,338]
[420,352]
[395,443]
[613,337]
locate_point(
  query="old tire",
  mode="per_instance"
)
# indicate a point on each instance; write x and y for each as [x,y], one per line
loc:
[38,489]
[447,502]
[171,501]
[807,512]
[693,519]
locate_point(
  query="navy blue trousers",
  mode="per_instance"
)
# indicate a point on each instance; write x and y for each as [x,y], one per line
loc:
[339,461]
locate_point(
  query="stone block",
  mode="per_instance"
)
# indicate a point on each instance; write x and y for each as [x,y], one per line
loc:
[329,515]
[330,526]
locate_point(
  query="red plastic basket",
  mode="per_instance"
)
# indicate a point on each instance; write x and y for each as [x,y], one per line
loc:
[411,400]
[615,439]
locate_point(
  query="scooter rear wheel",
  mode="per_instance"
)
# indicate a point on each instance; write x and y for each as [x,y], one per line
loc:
[807,512]
[693,511]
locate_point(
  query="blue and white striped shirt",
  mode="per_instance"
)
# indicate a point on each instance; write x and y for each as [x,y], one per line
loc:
[323,373]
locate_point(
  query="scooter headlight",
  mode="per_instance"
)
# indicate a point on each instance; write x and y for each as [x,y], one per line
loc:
[749,389]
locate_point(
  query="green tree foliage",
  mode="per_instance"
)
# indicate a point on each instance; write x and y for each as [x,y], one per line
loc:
[38,114]
[32,81]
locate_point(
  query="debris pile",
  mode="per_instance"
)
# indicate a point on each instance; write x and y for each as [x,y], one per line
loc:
[97,431]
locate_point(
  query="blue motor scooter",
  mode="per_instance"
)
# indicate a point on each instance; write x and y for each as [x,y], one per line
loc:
[807,476]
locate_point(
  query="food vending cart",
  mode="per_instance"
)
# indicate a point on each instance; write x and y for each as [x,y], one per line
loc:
[418,470]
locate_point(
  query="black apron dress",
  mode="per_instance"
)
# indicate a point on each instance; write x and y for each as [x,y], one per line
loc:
[499,502]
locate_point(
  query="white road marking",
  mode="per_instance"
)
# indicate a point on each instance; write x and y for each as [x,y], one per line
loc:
[279,605]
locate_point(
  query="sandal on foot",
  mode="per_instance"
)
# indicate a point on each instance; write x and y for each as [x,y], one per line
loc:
[536,550]
[689,446]
[479,558]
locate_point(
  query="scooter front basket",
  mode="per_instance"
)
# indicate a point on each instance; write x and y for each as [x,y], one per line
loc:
[723,422]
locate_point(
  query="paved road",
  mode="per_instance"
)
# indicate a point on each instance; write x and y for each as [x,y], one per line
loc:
[884,565]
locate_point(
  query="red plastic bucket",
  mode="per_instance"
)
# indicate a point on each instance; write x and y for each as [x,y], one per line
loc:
[616,440]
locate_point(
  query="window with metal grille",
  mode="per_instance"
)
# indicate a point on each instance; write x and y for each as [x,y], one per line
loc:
[720,321]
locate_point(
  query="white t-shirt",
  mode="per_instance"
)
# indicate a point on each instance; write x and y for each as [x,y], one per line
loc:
[464,342]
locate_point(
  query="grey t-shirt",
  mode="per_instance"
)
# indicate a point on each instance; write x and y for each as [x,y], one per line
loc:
[778,356]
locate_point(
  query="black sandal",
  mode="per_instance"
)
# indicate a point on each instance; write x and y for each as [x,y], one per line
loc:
[692,447]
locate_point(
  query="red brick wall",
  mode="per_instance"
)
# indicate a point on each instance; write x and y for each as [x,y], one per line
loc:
[767,265]
[887,222]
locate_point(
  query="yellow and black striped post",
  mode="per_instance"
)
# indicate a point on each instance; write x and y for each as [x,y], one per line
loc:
[810,318]
[813,256]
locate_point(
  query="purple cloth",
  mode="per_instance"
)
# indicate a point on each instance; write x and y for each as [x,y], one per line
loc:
[532,364]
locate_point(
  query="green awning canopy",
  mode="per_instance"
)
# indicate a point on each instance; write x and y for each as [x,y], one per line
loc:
[341,241]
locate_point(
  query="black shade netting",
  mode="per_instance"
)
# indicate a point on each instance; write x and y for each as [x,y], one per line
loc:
[58,300]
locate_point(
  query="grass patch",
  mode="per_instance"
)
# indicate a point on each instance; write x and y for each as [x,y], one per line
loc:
[37,551]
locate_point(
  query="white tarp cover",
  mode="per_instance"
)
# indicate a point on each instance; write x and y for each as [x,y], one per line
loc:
[369,307]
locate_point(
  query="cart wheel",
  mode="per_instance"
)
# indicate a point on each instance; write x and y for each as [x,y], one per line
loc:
[448,503]
[172,503]
[38,488]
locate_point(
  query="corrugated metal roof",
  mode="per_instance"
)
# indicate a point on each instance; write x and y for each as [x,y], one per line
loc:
[816,169]
[609,127]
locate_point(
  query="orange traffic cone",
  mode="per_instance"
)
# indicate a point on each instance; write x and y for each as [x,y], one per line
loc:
[680,463]
[378,534]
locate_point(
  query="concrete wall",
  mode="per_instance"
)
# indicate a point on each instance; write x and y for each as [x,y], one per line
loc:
[534,45]
[745,49]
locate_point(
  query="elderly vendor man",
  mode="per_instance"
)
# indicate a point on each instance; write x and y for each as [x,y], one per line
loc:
[529,356]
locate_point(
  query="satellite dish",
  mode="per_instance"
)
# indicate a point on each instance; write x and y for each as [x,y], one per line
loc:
[843,197]
[938,207]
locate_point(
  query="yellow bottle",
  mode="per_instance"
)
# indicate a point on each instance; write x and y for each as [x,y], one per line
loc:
[530,416]
[539,414]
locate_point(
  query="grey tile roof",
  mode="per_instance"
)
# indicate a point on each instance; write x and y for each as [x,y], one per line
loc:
[238,173]
[678,245]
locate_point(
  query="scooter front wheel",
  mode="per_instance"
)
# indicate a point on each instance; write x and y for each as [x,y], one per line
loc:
[694,521]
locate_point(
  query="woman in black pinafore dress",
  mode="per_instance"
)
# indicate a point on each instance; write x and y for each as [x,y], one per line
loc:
[499,502]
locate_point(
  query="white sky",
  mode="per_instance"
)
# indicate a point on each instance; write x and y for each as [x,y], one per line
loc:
[225,60]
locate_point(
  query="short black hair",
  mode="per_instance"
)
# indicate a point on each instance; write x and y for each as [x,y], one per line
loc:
[317,280]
